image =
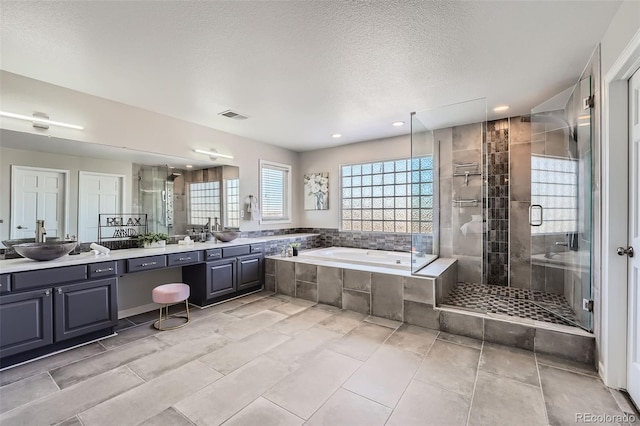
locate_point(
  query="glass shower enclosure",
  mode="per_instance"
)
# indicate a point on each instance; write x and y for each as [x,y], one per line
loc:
[446,189]
[560,213]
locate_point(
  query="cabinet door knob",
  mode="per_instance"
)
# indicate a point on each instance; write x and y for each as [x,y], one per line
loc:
[47,292]
[59,290]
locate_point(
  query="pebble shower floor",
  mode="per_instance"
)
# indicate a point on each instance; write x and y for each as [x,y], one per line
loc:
[515,302]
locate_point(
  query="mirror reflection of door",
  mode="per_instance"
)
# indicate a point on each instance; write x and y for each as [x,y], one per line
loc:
[99,193]
[38,193]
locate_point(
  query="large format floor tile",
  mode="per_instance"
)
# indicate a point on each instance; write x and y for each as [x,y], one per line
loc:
[264,413]
[517,364]
[306,389]
[167,360]
[425,404]
[501,401]
[27,390]
[272,359]
[219,401]
[49,363]
[153,397]
[345,408]
[385,375]
[567,393]
[450,366]
[59,406]
[362,341]
[89,367]
[236,354]
[301,321]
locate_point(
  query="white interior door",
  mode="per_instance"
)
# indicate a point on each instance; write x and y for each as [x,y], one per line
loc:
[38,194]
[633,339]
[99,193]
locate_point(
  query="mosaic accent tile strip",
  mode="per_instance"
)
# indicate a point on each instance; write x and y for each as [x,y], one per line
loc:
[496,240]
[515,302]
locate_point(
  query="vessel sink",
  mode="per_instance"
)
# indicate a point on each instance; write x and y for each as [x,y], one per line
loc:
[11,243]
[226,236]
[45,251]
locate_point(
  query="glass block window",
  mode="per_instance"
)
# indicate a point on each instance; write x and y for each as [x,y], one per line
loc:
[388,196]
[232,216]
[204,202]
[554,186]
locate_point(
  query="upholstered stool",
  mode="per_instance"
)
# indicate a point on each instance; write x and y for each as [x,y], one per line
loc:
[168,294]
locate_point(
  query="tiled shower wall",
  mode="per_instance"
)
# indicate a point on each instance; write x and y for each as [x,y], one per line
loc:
[496,172]
[460,234]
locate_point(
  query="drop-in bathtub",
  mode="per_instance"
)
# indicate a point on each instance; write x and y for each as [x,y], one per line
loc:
[384,259]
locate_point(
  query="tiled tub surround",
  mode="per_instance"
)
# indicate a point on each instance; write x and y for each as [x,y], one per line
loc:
[388,293]
[268,357]
[399,296]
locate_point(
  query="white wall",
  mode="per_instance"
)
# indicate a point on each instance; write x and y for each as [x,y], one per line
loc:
[609,295]
[116,124]
[330,159]
[18,157]
[624,25]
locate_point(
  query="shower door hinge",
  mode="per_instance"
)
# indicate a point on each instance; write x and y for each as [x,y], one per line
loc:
[587,305]
[589,102]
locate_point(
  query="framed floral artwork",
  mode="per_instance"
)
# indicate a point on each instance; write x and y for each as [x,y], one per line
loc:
[316,191]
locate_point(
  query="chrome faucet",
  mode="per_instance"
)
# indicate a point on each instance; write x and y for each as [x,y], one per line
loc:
[41,233]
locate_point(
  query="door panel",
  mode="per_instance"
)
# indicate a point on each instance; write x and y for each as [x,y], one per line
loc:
[26,321]
[221,278]
[85,308]
[37,194]
[99,193]
[250,271]
[633,338]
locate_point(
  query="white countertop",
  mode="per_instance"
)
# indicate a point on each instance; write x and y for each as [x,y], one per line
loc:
[22,264]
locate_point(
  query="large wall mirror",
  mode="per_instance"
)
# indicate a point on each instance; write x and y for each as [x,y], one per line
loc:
[68,183]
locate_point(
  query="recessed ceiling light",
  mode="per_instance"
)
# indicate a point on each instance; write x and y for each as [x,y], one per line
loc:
[397,123]
[336,135]
[501,108]
[189,166]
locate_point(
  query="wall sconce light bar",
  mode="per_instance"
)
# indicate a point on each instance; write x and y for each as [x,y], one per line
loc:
[213,154]
[40,120]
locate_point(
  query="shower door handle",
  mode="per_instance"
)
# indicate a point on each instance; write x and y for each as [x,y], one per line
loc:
[531,208]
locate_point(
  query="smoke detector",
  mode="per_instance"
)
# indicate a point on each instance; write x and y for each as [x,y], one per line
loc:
[232,114]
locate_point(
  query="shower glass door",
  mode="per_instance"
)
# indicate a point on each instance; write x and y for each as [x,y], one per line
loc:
[560,207]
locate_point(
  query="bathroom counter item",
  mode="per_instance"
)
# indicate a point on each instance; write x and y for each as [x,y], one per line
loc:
[8,266]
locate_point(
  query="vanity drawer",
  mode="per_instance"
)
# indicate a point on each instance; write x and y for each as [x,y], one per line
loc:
[102,269]
[5,283]
[256,248]
[212,254]
[186,258]
[235,251]
[146,263]
[46,277]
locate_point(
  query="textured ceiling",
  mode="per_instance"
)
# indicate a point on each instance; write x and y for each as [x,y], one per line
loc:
[304,70]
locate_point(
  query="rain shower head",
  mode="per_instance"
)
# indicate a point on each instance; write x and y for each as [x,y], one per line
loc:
[172,177]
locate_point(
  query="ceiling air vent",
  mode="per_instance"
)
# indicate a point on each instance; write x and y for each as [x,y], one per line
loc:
[232,114]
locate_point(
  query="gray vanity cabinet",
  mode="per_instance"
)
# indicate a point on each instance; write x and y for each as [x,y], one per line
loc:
[250,271]
[221,278]
[26,321]
[240,270]
[210,281]
[85,307]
